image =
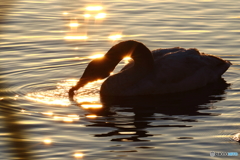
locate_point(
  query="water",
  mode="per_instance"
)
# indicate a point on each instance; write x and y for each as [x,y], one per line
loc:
[40,60]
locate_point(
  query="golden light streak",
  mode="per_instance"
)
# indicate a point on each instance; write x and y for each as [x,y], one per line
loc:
[75,37]
[87,15]
[48,113]
[67,119]
[73,116]
[78,155]
[47,141]
[58,118]
[100,15]
[89,94]
[91,106]
[74,24]
[94,8]
[91,116]
[23,110]
[96,56]
[43,98]
[65,13]
[115,37]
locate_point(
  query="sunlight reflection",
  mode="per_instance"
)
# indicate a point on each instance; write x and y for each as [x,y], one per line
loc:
[87,15]
[74,116]
[115,37]
[91,116]
[76,37]
[100,15]
[89,94]
[65,13]
[48,113]
[91,106]
[78,155]
[57,118]
[94,8]
[47,141]
[67,119]
[74,24]
[96,56]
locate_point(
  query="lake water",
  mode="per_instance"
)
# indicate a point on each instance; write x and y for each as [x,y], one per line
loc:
[45,47]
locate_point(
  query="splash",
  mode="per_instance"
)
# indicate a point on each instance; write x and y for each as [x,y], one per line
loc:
[59,96]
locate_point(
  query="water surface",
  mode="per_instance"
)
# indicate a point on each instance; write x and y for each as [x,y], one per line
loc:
[45,47]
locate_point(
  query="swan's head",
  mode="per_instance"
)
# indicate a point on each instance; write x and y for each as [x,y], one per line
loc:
[97,69]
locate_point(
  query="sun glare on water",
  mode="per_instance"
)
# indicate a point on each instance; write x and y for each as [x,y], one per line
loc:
[115,37]
[94,8]
[96,56]
[47,141]
[59,96]
[100,15]
[75,37]
[92,106]
[78,155]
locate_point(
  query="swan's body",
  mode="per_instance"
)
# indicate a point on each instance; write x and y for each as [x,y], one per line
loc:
[158,72]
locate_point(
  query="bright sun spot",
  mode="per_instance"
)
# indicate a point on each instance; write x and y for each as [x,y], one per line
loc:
[87,15]
[74,24]
[47,141]
[96,56]
[91,106]
[94,8]
[100,15]
[78,155]
[115,37]
[67,119]
[91,116]
[48,113]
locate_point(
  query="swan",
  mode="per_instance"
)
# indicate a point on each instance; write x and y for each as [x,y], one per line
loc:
[160,71]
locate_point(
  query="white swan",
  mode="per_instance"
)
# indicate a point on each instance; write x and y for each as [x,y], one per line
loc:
[158,72]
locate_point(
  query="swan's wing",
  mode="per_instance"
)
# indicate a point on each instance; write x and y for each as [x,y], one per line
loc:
[157,53]
[179,65]
[186,70]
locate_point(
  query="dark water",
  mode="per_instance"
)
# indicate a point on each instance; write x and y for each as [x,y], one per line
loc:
[42,56]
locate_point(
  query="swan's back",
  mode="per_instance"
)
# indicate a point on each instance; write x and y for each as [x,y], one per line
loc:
[180,69]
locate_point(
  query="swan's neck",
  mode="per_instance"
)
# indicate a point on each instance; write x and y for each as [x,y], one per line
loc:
[143,67]
[141,55]
[101,68]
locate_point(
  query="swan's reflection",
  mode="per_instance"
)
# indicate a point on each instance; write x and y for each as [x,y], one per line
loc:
[135,126]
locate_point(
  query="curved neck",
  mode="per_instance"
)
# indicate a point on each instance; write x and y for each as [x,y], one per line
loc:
[141,55]
[101,68]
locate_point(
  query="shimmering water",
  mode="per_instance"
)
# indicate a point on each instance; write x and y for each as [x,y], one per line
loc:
[45,46]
